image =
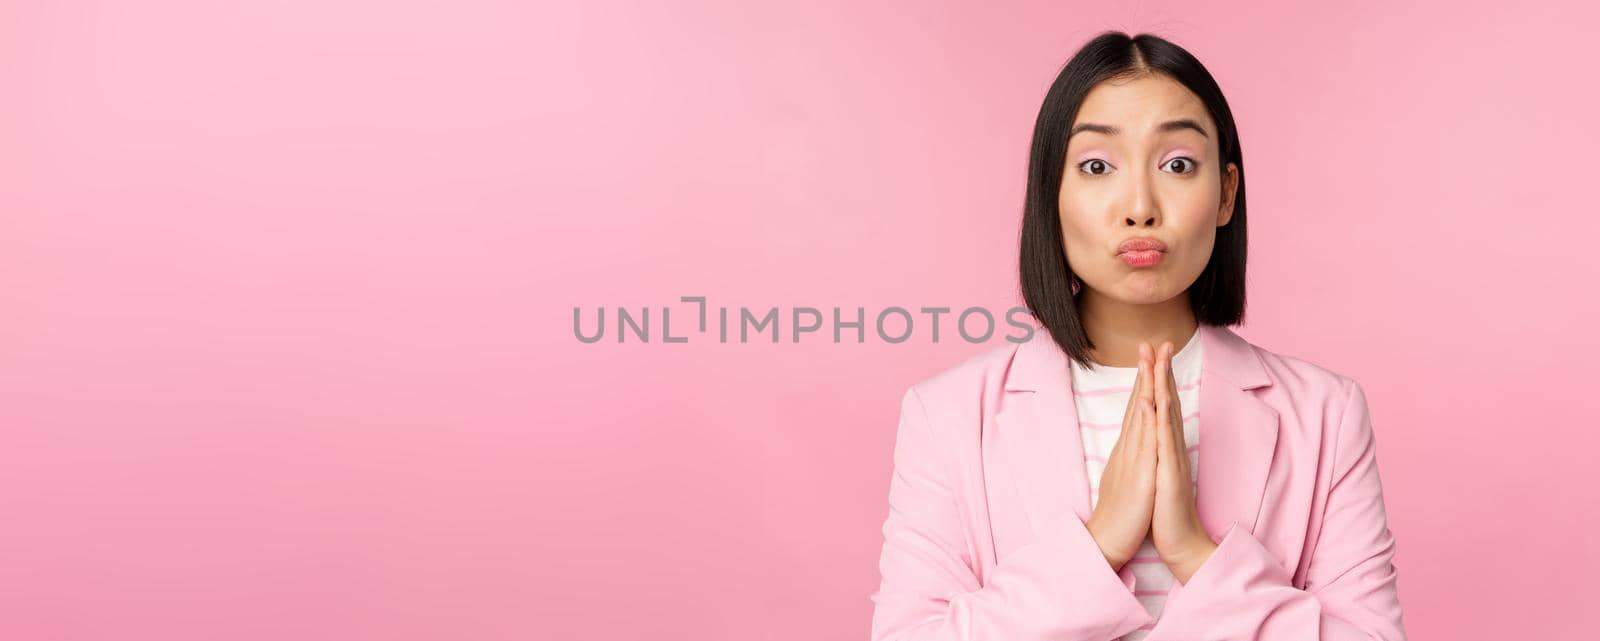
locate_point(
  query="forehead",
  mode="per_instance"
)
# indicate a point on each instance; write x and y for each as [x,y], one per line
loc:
[1137,105]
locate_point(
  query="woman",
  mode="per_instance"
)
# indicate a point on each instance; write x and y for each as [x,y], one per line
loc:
[1137,470]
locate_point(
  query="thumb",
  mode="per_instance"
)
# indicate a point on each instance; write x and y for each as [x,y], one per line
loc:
[1160,420]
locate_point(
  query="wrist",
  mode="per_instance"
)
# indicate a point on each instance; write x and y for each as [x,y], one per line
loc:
[1184,564]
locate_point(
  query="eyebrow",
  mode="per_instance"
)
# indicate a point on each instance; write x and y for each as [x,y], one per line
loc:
[1170,125]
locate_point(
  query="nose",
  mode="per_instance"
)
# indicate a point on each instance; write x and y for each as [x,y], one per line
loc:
[1142,211]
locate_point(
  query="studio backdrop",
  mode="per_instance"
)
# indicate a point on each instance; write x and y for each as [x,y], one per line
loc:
[593,320]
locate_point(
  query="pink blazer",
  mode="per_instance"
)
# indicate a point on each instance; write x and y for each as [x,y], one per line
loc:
[985,536]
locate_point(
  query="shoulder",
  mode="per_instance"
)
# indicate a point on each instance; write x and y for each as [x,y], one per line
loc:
[964,393]
[968,378]
[1301,374]
[1311,389]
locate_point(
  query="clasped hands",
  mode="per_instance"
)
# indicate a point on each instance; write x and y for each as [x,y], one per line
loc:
[1147,486]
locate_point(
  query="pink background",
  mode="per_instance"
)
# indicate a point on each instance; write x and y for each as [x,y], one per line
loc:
[287,348]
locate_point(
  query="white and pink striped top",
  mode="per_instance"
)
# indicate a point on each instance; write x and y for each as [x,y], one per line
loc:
[1101,397]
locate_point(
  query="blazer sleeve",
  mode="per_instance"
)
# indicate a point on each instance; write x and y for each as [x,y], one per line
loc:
[1243,593]
[1057,587]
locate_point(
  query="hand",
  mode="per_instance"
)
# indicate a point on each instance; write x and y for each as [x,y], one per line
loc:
[1126,502]
[1178,534]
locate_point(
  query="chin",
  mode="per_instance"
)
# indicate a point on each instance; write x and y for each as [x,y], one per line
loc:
[1147,293]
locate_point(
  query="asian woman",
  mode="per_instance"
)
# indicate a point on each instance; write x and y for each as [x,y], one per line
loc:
[1137,470]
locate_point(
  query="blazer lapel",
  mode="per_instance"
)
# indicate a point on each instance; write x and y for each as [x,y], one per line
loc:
[1037,433]
[1036,430]
[1238,432]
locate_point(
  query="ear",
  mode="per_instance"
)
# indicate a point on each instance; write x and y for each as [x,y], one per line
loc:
[1230,186]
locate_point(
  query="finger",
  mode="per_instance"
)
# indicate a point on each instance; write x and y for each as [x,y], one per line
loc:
[1146,387]
[1169,382]
[1139,383]
[1148,440]
[1130,419]
[1133,398]
[1179,438]
[1163,404]
[1161,374]
[1131,433]
[1162,433]
[1147,373]
[1147,396]
[1177,412]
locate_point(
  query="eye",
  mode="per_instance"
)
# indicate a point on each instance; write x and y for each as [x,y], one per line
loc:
[1187,161]
[1095,162]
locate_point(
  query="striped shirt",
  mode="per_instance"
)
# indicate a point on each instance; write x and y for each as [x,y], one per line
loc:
[1101,397]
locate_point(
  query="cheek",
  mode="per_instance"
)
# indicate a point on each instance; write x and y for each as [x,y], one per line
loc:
[1193,210]
[1203,197]
[1079,238]
[1076,231]
[1082,212]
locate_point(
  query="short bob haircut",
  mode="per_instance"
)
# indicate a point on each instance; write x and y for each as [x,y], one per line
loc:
[1049,287]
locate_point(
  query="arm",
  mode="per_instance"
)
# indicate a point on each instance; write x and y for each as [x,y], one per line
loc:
[1243,593]
[1059,587]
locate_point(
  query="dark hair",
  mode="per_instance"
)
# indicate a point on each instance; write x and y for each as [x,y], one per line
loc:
[1217,296]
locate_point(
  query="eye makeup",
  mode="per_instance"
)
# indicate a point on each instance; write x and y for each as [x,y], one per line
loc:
[1176,153]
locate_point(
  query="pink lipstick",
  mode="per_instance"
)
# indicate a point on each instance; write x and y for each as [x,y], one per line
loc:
[1141,252]
[1144,258]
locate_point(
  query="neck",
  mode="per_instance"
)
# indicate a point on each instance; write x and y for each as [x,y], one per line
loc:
[1116,328]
